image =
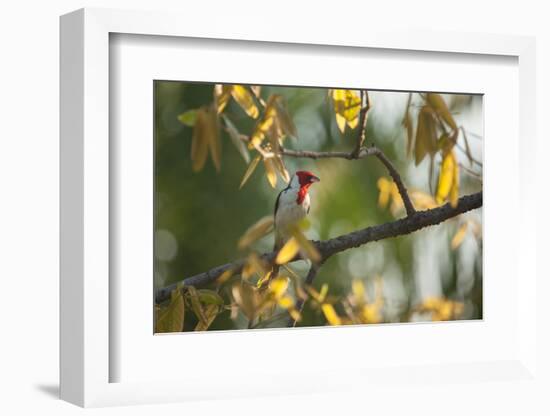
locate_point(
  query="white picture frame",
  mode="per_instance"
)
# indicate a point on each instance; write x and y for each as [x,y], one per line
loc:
[86,262]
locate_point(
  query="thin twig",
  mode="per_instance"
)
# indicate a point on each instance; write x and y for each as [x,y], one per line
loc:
[475,161]
[363,113]
[471,172]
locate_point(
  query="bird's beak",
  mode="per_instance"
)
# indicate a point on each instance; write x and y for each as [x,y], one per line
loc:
[314,179]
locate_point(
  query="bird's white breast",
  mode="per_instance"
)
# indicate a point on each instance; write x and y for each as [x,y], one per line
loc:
[289,211]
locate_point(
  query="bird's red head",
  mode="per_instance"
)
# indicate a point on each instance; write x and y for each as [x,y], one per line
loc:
[306,178]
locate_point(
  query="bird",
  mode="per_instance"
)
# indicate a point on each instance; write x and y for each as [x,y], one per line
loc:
[292,205]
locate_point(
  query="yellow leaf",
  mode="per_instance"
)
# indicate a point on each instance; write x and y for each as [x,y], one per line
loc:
[199,144]
[264,124]
[453,197]
[358,289]
[384,186]
[323,293]
[274,134]
[476,228]
[285,302]
[370,314]
[243,97]
[437,102]
[247,298]
[285,121]
[278,287]
[288,251]
[258,230]
[459,236]
[214,139]
[330,314]
[222,93]
[422,200]
[278,162]
[171,318]
[225,276]
[313,293]
[210,313]
[250,170]
[389,192]
[295,314]
[441,309]
[447,180]
[347,106]
[447,141]
[306,246]
[256,265]
[270,172]
[248,271]
[341,122]
[426,140]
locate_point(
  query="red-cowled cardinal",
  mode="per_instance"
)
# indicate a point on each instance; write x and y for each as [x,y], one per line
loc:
[292,205]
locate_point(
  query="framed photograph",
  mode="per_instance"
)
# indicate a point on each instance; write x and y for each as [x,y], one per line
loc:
[318,214]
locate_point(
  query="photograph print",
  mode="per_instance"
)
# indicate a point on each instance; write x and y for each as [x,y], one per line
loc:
[289,207]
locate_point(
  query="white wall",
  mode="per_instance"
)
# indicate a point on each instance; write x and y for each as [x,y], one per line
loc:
[29,180]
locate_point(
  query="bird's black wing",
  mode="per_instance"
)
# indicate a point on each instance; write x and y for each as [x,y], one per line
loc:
[277,200]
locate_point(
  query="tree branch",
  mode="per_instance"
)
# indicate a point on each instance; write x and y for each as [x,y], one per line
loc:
[361,135]
[363,152]
[327,248]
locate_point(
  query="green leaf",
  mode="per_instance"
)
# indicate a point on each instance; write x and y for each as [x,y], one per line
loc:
[210,297]
[171,318]
[210,313]
[188,118]
[196,304]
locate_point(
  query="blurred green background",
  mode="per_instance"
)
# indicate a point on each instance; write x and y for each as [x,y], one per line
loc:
[200,216]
